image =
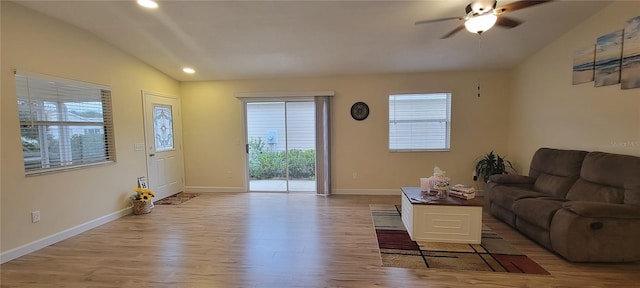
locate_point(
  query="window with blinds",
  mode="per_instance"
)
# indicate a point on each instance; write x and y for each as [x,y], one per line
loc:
[419,122]
[64,124]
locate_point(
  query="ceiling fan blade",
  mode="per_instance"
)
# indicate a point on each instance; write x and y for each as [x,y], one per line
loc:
[437,20]
[507,22]
[519,5]
[454,31]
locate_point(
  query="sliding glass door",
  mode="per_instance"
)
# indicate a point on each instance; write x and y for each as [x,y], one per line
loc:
[281,139]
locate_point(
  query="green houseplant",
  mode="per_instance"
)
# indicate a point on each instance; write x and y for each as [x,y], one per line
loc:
[492,164]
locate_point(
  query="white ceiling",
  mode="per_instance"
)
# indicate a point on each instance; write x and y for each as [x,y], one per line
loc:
[267,39]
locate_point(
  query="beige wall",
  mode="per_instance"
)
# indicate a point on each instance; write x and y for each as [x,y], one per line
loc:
[544,110]
[213,129]
[547,110]
[39,44]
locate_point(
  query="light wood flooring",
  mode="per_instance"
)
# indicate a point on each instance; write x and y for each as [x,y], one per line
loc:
[270,240]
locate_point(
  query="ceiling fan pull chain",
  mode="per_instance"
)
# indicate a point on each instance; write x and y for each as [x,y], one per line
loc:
[479,54]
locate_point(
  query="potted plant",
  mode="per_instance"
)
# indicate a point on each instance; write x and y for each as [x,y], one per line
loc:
[142,203]
[492,164]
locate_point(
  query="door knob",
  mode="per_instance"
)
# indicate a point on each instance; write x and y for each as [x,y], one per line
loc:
[151,155]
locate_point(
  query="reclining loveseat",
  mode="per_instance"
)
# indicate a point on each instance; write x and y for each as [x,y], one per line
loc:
[585,206]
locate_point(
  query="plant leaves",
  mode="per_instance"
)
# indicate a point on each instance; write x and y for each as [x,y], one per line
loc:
[492,164]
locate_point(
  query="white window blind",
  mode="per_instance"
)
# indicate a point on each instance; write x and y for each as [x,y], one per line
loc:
[64,124]
[419,122]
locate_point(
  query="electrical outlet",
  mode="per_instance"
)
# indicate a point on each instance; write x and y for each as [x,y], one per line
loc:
[35,216]
[355,175]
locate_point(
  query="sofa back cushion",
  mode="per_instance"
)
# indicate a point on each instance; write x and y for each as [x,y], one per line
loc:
[555,170]
[584,190]
[607,177]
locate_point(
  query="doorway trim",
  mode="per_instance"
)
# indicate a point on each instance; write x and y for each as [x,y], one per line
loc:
[284,95]
[323,130]
[148,139]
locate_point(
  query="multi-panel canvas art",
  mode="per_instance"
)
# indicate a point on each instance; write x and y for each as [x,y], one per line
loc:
[630,76]
[583,63]
[614,59]
[608,58]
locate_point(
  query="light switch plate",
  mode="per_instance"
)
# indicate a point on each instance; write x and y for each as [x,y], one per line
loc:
[139,147]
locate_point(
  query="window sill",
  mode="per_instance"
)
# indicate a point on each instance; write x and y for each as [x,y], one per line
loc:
[67,168]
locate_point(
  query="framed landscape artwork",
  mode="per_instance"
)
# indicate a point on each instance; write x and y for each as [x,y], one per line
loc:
[630,74]
[583,63]
[608,58]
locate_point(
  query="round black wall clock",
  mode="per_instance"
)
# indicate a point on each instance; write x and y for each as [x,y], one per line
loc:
[360,111]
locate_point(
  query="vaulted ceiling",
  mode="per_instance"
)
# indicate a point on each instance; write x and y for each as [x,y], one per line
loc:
[268,39]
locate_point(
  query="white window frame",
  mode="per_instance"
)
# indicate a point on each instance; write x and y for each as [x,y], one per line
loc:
[63,123]
[396,115]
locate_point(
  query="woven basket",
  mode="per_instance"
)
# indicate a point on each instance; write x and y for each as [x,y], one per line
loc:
[140,207]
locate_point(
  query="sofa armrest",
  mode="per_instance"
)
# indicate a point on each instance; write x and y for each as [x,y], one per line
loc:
[603,210]
[511,179]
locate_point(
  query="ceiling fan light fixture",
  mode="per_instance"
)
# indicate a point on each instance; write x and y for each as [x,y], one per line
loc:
[480,23]
[151,4]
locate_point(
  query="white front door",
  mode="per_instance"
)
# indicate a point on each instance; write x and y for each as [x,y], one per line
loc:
[163,144]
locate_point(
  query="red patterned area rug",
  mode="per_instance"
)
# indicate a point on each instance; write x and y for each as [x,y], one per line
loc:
[177,199]
[493,254]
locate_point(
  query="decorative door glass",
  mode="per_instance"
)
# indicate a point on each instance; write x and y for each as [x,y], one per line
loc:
[163,127]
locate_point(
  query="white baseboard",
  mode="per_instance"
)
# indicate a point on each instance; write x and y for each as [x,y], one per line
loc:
[57,237]
[207,189]
[366,191]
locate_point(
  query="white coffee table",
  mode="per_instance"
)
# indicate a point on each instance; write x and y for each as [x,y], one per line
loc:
[452,220]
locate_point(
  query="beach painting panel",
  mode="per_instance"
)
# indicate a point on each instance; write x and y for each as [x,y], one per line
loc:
[608,59]
[583,65]
[630,77]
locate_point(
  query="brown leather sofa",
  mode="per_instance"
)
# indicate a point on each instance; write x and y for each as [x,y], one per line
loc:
[585,206]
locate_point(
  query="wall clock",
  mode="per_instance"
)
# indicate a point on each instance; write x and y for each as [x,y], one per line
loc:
[360,111]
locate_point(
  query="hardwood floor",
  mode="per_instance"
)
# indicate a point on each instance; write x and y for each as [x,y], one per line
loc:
[270,240]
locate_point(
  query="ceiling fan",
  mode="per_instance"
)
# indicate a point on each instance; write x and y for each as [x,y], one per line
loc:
[483,14]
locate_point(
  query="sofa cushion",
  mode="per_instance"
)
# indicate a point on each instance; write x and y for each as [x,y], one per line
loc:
[606,177]
[553,185]
[603,210]
[505,196]
[584,190]
[555,170]
[632,193]
[556,162]
[511,179]
[537,211]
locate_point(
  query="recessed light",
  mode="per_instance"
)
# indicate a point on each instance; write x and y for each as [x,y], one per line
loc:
[188,70]
[148,4]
